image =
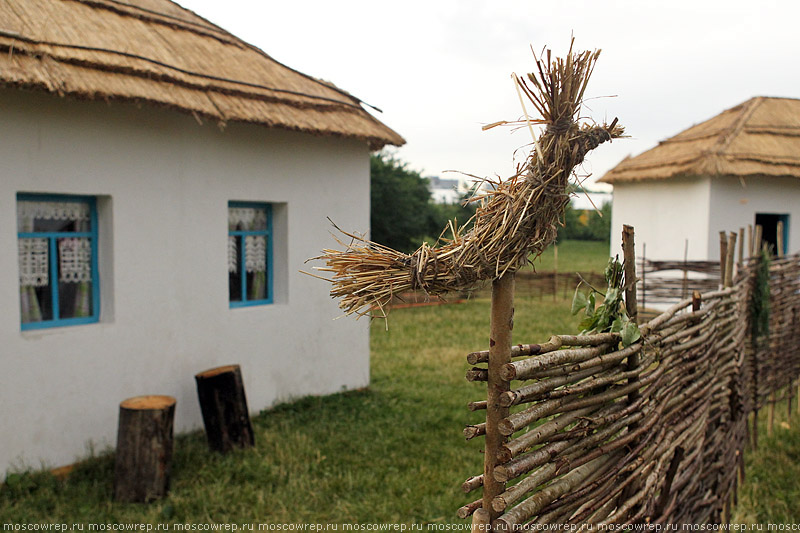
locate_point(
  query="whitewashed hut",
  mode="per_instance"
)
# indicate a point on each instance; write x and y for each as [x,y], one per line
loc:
[738,169]
[162,183]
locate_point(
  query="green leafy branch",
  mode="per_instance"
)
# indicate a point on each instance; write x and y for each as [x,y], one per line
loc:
[610,315]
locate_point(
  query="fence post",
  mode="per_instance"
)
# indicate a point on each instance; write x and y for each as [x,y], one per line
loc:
[644,270]
[741,247]
[629,257]
[685,286]
[731,250]
[555,272]
[779,244]
[502,324]
[723,257]
[757,239]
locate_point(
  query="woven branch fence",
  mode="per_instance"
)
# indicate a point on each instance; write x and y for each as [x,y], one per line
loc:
[663,282]
[582,431]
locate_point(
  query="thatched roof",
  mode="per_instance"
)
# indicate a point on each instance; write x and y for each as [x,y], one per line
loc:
[156,52]
[760,137]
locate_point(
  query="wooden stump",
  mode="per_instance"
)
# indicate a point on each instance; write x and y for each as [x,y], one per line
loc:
[224,406]
[144,448]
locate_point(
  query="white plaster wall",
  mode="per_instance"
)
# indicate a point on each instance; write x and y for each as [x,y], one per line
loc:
[664,215]
[163,183]
[734,204]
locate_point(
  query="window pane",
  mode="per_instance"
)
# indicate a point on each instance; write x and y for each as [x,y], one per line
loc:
[74,277]
[247,218]
[234,269]
[34,280]
[36,216]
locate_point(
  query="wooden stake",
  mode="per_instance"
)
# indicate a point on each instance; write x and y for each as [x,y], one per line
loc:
[144,448]
[779,239]
[723,257]
[644,269]
[726,510]
[771,414]
[757,239]
[731,250]
[629,257]
[555,271]
[755,428]
[685,286]
[502,325]
[750,252]
[631,307]
[741,246]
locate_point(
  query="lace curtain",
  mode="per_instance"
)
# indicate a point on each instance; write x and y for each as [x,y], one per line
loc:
[74,259]
[28,211]
[255,246]
[34,265]
[247,218]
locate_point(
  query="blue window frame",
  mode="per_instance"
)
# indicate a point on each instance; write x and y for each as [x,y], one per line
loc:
[57,250]
[249,253]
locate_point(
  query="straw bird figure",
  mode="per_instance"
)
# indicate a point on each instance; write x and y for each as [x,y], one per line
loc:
[515,221]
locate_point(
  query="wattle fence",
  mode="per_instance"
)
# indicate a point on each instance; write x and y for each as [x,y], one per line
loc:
[580,430]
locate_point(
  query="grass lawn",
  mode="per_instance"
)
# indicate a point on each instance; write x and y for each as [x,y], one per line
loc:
[391,453]
[771,493]
[576,256]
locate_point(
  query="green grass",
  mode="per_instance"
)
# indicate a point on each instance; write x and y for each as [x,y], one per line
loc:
[575,256]
[391,453]
[771,493]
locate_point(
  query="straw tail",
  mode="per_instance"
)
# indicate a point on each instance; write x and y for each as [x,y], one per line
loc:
[516,220]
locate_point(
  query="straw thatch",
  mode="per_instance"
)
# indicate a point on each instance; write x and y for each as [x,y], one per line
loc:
[760,137]
[516,221]
[156,52]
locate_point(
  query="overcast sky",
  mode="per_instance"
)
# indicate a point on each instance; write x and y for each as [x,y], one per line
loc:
[440,69]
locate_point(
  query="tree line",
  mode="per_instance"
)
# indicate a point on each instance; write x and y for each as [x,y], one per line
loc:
[403,213]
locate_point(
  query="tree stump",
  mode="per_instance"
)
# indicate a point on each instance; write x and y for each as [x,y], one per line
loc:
[224,406]
[144,448]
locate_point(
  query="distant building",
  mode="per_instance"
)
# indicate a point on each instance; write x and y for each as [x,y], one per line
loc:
[588,201]
[737,169]
[446,191]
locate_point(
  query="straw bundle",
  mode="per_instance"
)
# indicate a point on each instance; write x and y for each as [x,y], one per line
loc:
[516,220]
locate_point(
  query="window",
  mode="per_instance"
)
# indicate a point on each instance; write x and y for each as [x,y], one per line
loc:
[249,254]
[57,246]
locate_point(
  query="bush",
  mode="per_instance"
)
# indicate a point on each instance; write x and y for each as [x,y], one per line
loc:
[586,225]
[402,214]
